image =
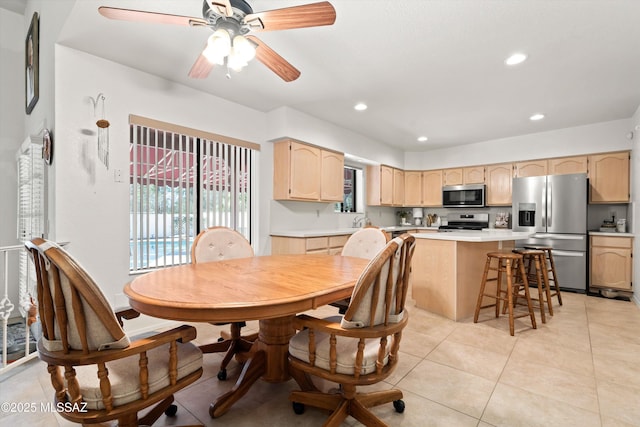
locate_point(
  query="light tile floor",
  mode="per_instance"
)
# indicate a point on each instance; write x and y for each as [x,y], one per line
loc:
[581,368]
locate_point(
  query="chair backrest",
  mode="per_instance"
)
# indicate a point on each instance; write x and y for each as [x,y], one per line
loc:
[74,313]
[219,243]
[365,243]
[380,294]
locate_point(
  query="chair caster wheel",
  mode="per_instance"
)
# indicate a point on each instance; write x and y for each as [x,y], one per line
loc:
[222,374]
[298,408]
[171,411]
[399,405]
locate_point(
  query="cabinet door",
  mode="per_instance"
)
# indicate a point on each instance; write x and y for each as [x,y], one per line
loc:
[473,175]
[386,185]
[432,188]
[611,267]
[413,188]
[499,184]
[452,176]
[305,172]
[567,165]
[531,168]
[609,178]
[398,187]
[332,176]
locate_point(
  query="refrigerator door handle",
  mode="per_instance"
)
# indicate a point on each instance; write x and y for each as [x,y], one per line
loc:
[549,204]
[567,253]
[544,206]
[559,236]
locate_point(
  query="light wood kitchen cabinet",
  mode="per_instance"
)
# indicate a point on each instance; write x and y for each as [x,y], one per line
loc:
[473,175]
[567,165]
[332,176]
[452,176]
[413,188]
[331,245]
[498,179]
[432,188]
[609,178]
[398,187]
[611,262]
[530,168]
[305,172]
[385,186]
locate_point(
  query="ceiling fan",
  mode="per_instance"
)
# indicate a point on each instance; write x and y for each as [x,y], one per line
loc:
[231,21]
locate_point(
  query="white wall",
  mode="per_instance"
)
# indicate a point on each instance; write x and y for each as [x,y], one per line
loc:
[11,117]
[593,138]
[91,209]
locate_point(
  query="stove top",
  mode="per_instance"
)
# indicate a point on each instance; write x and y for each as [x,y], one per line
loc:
[466,222]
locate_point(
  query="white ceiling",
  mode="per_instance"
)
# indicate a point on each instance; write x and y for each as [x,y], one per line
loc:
[424,67]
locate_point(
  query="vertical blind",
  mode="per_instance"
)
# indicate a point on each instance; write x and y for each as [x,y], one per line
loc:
[182,181]
[31,212]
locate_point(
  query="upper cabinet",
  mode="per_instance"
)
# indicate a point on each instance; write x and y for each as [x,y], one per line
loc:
[305,172]
[432,188]
[473,175]
[380,185]
[530,168]
[452,176]
[398,187]
[498,178]
[413,188]
[609,178]
[332,176]
[567,165]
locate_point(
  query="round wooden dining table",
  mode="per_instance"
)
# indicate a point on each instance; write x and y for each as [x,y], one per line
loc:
[271,289]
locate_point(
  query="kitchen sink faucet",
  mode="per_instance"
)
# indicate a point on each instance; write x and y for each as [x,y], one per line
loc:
[358,221]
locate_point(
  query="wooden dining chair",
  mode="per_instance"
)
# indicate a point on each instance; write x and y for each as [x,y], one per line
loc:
[364,243]
[97,372]
[218,244]
[362,347]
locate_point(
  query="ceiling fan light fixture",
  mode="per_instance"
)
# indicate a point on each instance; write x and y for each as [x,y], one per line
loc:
[218,46]
[243,48]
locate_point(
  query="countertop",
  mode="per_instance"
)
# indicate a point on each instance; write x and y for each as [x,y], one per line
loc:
[486,235]
[609,233]
[342,231]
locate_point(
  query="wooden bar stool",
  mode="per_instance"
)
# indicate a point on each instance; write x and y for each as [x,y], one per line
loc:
[510,269]
[551,271]
[534,260]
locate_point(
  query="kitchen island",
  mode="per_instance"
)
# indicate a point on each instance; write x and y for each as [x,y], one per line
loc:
[447,268]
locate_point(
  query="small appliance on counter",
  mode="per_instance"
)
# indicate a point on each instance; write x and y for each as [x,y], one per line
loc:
[608,226]
[417,216]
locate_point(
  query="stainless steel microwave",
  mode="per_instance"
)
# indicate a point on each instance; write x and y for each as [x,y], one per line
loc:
[463,196]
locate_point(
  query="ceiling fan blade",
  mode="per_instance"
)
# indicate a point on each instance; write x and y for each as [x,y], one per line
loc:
[274,62]
[223,6]
[143,16]
[309,15]
[201,68]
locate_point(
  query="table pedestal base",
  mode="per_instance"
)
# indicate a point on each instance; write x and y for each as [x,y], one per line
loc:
[268,360]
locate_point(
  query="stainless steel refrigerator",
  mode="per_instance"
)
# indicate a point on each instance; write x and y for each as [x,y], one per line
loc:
[554,207]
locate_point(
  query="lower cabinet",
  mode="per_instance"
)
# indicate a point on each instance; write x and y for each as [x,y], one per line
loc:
[331,245]
[611,262]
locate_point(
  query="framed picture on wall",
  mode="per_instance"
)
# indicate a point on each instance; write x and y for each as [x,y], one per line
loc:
[31,64]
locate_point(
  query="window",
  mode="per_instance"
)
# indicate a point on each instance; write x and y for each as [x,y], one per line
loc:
[182,181]
[352,194]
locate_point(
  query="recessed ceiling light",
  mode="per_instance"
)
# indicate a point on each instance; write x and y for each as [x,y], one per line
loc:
[360,106]
[422,139]
[536,117]
[515,59]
